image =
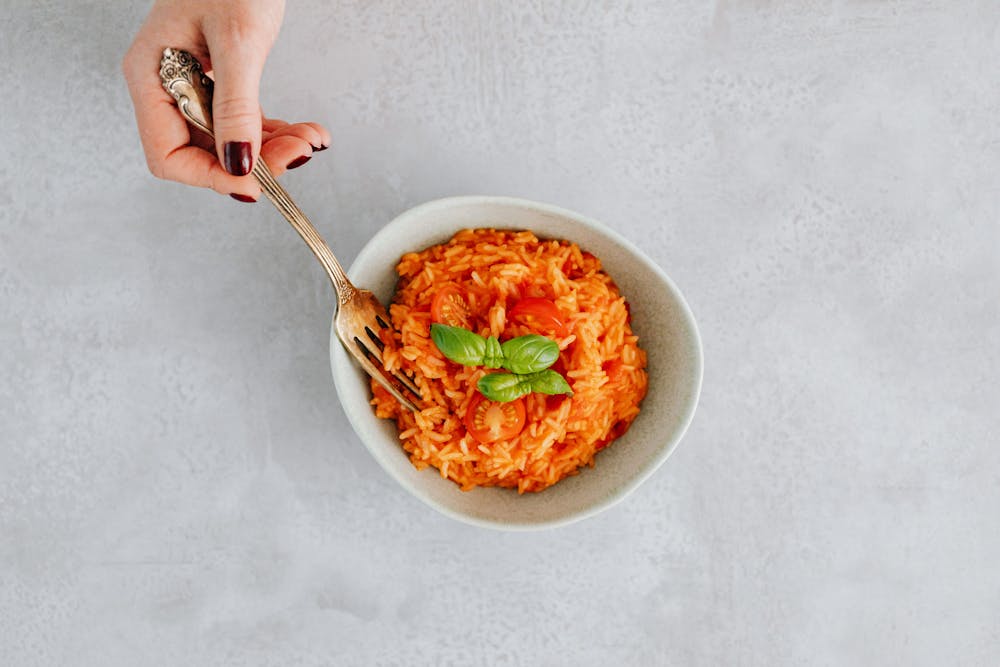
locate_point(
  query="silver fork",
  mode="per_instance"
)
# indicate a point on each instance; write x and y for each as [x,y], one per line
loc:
[360,316]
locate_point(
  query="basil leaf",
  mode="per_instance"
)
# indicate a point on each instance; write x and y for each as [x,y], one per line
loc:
[493,354]
[529,354]
[460,345]
[503,387]
[548,382]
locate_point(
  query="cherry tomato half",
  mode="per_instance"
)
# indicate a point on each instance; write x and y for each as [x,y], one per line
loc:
[489,421]
[539,312]
[451,307]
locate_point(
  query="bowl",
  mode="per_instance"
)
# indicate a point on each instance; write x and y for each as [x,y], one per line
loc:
[660,317]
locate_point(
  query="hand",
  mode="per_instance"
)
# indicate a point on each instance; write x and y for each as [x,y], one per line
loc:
[231,39]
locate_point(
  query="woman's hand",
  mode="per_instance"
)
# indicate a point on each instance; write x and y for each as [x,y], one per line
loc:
[231,39]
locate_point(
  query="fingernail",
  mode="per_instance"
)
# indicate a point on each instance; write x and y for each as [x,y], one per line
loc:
[243,198]
[299,161]
[317,149]
[236,157]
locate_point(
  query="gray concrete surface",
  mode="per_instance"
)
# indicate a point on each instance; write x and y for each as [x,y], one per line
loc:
[179,485]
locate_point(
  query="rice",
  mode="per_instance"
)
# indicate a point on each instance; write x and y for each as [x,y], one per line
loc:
[599,357]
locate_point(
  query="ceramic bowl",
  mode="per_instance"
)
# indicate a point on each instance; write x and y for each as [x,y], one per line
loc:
[660,317]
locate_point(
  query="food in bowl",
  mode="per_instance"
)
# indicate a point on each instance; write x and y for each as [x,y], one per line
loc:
[489,424]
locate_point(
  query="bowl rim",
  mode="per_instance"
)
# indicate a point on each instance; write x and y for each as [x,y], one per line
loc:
[592,509]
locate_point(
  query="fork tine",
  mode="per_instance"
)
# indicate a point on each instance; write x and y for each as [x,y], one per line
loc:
[406,382]
[396,384]
[377,356]
[384,379]
[401,378]
[359,323]
[375,338]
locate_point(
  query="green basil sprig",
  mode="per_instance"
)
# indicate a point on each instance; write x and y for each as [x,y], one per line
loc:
[529,354]
[548,382]
[466,347]
[526,357]
[504,387]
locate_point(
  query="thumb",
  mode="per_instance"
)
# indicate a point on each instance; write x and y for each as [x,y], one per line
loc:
[235,105]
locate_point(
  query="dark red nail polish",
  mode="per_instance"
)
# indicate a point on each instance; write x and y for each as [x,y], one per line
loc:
[243,198]
[299,161]
[317,149]
[236,157]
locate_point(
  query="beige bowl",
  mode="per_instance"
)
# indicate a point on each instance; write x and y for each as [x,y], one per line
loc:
[660,317]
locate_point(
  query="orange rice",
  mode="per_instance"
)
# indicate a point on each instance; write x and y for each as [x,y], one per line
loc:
[600,358]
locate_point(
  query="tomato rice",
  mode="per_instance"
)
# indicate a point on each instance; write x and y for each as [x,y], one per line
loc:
[600,358]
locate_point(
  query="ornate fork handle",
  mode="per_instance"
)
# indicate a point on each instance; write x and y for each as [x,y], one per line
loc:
[183,77]
[283,202]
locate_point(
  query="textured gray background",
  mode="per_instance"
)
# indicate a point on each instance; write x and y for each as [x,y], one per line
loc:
[179,486]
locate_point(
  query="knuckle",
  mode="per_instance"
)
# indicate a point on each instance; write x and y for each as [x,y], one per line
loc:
[156,167]
[129,54]
[220,187]
[236,111]
[216,180]
[128,64]
[234,22]
[240,29]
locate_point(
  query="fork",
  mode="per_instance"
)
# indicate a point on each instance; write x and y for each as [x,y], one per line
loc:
[360,316]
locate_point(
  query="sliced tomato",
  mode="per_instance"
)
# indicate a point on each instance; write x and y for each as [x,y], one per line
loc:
[450,306]
[489,421]
[539,312]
